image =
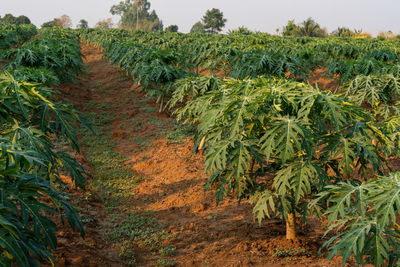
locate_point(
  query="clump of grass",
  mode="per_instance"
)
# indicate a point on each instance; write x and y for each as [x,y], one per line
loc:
[127,252]
[148,109]
[166,263]
[181,132]
[141,142]
[291,252]
[143,230]
[167,251]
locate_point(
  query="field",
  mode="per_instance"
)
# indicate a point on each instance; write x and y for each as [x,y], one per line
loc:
[198,150]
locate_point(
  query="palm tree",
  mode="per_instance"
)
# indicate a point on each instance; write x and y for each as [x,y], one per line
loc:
[291,29]
[310,28]
[343,32]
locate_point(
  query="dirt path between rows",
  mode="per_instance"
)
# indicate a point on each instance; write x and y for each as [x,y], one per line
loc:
[162,192]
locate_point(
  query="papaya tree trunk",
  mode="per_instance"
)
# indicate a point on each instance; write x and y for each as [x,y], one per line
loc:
[161,105]
[291,227]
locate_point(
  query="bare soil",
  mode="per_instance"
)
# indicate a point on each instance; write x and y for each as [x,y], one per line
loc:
[173,189]
[318,78]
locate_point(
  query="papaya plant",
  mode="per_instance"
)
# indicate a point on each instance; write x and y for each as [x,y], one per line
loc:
[364,217]
[61,56]
[374,90]
[280,142]
[30,169]
[12,35]
[156,70]
[35,75]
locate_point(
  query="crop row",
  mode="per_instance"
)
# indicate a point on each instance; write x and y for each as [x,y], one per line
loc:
[32,125]
[12,35]
[261,54]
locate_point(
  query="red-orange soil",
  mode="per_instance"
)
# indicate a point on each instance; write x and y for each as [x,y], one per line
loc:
[208,235]
[324,83]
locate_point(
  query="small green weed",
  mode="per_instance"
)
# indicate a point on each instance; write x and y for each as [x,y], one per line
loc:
[142,143]
[166,263]
[167,251]
[181,132]
[148,109]
[292,252]
[127,252]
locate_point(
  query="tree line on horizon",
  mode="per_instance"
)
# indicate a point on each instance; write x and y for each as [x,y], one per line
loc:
[136,15]
[10,19]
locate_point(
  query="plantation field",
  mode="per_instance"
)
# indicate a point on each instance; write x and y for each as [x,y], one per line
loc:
[162,191]
[242,149]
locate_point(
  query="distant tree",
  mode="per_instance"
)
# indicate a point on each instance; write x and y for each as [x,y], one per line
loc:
[386,35]
[153,22]
[104,24]
[241,30]
[214,21]
[308,28]
[343,32]
[197,27]
[23,20]
[172,28]
[64,22]
[50,24]
[291,29]
[10,19]
[360,31]
[83,24]
[361,34]
[135,14]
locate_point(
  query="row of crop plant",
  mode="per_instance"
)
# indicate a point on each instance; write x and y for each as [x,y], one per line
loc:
[31,126]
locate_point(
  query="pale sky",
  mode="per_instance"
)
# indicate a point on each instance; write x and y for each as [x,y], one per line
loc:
[261,15]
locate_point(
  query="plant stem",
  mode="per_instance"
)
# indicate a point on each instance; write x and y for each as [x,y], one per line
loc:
[202,143]
[291,226]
